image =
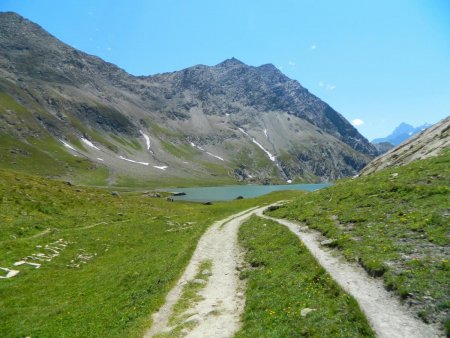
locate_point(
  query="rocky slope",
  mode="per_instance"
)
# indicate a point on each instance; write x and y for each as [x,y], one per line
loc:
[428,143]
[226,122]
[383,147]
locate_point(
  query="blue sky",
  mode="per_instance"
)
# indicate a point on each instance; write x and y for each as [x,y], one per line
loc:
[382,61]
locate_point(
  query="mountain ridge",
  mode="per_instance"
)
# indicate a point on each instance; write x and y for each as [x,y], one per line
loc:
[214,121]
[401,133]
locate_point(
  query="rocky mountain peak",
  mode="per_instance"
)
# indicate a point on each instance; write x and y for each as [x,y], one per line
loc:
[401,133]
[269,67]
[4,16]
[22,32]
[31,51]
[228,119]
[233,62]
[13,18]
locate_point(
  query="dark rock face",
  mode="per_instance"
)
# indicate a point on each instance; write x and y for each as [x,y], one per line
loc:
[106,118]
[239,113]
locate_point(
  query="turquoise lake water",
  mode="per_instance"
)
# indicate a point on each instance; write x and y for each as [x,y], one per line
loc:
[227,193]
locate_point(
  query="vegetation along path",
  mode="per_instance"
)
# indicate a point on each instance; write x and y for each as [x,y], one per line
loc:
[209,298]
[387,316]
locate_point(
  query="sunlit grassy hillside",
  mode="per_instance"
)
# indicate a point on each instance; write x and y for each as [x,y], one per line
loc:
[106,261]
[395,223]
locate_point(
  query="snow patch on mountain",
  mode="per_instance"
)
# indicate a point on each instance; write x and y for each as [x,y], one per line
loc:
[271,157]
[243,131]
[218,157]
[147,139]
[68,145]
[89,143]
[196,146]
[207,152]
[132,161]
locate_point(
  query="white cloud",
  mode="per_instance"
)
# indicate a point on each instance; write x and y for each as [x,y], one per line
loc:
[313,46]
[292,63]
[357,122]
[109,49]
[327,86]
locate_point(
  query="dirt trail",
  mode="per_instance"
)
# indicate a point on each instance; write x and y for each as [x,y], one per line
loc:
[218,314]
[388,318]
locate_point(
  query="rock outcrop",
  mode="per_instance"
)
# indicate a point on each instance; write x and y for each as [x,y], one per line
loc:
[428,143]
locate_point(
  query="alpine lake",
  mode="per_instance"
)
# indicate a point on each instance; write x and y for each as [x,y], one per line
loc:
[228,193]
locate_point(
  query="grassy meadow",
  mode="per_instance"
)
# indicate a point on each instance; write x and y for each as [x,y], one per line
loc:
[395,223]
[108,260]
[117,257]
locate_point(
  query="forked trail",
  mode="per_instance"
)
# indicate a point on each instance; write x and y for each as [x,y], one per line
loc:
[222,297]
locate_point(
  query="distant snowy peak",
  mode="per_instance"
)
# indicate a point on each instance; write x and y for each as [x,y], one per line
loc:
[401,133]
[431,142]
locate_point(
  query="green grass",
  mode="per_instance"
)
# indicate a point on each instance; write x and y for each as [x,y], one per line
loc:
[218,170]
[75,141]
[8,103]
[127,182]
[184,151]
[54,161]
[136,246]
[162,132]
[395,223]
[94,175]
[36,152]
[282,279]
[128,143]
[253,157]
